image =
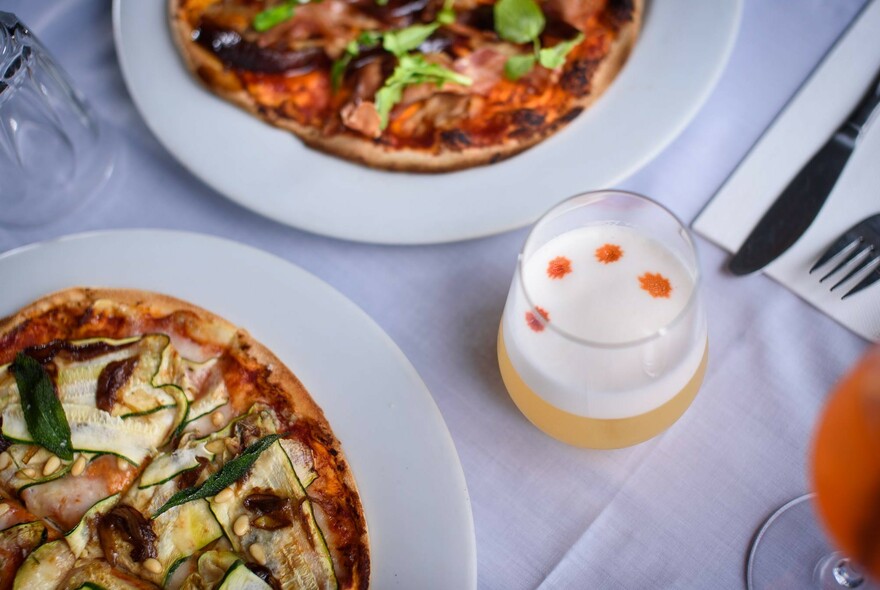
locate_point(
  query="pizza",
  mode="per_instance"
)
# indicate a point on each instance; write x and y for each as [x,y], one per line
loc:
[409,85]
[147,443]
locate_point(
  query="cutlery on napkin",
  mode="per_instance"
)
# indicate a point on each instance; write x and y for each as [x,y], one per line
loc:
[797,207]
[806,123]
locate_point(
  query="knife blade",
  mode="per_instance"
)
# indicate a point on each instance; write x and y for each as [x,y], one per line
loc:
[799,204]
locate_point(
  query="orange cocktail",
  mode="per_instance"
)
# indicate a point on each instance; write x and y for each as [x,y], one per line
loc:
[846,464]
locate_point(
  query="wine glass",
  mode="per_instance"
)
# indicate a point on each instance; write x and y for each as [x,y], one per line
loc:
[792,549]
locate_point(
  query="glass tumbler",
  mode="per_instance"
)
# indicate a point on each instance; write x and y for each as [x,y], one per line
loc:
[54,154]
[603,339]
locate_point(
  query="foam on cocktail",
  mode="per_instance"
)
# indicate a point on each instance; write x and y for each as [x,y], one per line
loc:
[608,285]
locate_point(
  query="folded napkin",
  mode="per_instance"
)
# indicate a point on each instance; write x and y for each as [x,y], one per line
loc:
[805,124]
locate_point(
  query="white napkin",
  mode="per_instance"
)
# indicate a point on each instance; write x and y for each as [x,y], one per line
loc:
[805,124]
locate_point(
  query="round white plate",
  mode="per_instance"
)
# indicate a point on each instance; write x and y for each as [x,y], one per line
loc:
[411,482]
[682,50]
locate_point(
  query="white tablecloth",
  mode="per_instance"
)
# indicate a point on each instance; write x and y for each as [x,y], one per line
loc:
[676,512]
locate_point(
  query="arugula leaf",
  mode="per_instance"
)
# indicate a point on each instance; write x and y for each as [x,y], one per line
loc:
[369,39]
[405,40]
[519,65]
[446,16]
[518,21]
[386,97]
[274,16]
[337,70]
[43,414]
[411,70]
[231,472]
[554,57]
[416,66]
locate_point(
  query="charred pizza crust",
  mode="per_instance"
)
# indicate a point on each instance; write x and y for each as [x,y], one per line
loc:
[253,374]
[587,77]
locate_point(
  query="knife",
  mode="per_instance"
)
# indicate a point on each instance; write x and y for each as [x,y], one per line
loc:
[799,204]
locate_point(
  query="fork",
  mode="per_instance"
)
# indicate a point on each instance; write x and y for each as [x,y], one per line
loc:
[856,251]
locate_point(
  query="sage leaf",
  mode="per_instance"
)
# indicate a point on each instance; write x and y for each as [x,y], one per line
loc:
[43,414]
[231,472]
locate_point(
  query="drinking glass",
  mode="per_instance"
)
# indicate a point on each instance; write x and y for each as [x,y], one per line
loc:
[603,339]
[53,151]
[792,550]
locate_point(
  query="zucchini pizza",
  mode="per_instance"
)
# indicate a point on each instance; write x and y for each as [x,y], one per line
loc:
[148,443]
[410,85]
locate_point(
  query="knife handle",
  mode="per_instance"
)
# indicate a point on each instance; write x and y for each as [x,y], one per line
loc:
[863,111]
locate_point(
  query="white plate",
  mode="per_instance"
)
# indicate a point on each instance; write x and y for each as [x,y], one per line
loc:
[680,55]
[411,482]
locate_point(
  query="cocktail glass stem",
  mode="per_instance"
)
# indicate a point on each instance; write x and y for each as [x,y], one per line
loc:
[837,569]
[792,552]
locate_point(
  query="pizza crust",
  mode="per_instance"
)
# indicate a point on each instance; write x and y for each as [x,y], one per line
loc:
[204,65]
[221,334]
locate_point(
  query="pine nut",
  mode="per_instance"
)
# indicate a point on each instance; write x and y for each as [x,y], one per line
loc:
[78,466]
[258,553]
[241,526]
[225,495]
[121,464]
[4,508]
[153,565]
[231,444]
[28,473]
[215,446]
[217,418]
[51,466]
[5,460]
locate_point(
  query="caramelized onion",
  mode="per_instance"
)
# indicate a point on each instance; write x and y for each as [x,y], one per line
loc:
[481,18]
[189,478]
[238,53]
[438,42]
[273,512]
[264,503]
[45,353]
[399,13]
[111,379]
[264,574]
[5,443]
[124,526]
[559,29]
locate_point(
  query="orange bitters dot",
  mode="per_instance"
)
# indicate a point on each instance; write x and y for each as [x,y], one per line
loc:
[656,284]
[558,267]
[533,321]
[608,253]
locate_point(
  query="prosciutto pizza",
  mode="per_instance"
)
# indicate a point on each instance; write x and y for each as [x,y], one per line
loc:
[411,85]
[147,443]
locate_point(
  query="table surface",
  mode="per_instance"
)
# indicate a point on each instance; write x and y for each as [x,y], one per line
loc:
[676,512]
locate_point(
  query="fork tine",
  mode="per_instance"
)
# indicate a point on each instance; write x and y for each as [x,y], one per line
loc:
[869,280]
[852,253]
[861,261]
[844,243]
